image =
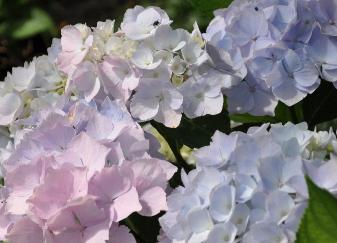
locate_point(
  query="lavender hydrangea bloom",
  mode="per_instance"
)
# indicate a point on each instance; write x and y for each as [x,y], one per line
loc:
[325,13]
[83,148]
[250,31]
[225,56]
[322,48]
[258,98]
[249,186]
[301,30]
[294,78]
[279,43]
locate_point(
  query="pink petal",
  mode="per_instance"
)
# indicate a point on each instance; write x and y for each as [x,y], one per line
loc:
[110,183]
[22,182]
[120,234]
[153,201]
[126,204]
[79,214]
[51,196]
[25,231]
[71,38]
[97,233]
[91,154]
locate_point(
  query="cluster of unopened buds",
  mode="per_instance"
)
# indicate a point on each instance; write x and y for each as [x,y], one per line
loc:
[76,162]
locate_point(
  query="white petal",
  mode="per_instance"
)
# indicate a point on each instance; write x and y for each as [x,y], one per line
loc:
[279,205]
[240,217]
[168,116]
[222,202]
[222,233]
[10,107]
[143,58]
[324,175]
[144,109]
[199,220]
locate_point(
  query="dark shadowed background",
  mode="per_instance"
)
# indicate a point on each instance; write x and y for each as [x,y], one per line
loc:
[27,26]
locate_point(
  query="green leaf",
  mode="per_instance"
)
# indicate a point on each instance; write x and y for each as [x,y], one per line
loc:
[247,118]
[206,8]
[283,114]
[212,123]
[194,133]
[39,21]
[321,105]
[29,23]
[319,223]
[325,126]
[145,229]
[2,11]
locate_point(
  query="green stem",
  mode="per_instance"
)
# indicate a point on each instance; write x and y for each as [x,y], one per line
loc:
[200,128]
[314,113]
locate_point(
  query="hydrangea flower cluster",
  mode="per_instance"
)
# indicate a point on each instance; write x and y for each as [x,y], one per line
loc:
[143,64]
[250,187]
[76,172]
[281,49]
[90,64]
[76,162]
[264,51]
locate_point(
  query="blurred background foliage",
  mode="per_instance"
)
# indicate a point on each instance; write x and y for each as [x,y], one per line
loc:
[27,26]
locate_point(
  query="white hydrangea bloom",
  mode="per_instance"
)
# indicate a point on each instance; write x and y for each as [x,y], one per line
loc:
[10,107]
[22,78]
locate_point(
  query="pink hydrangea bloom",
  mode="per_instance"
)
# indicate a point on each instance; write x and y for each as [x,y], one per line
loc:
[78,173]
[75,44]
